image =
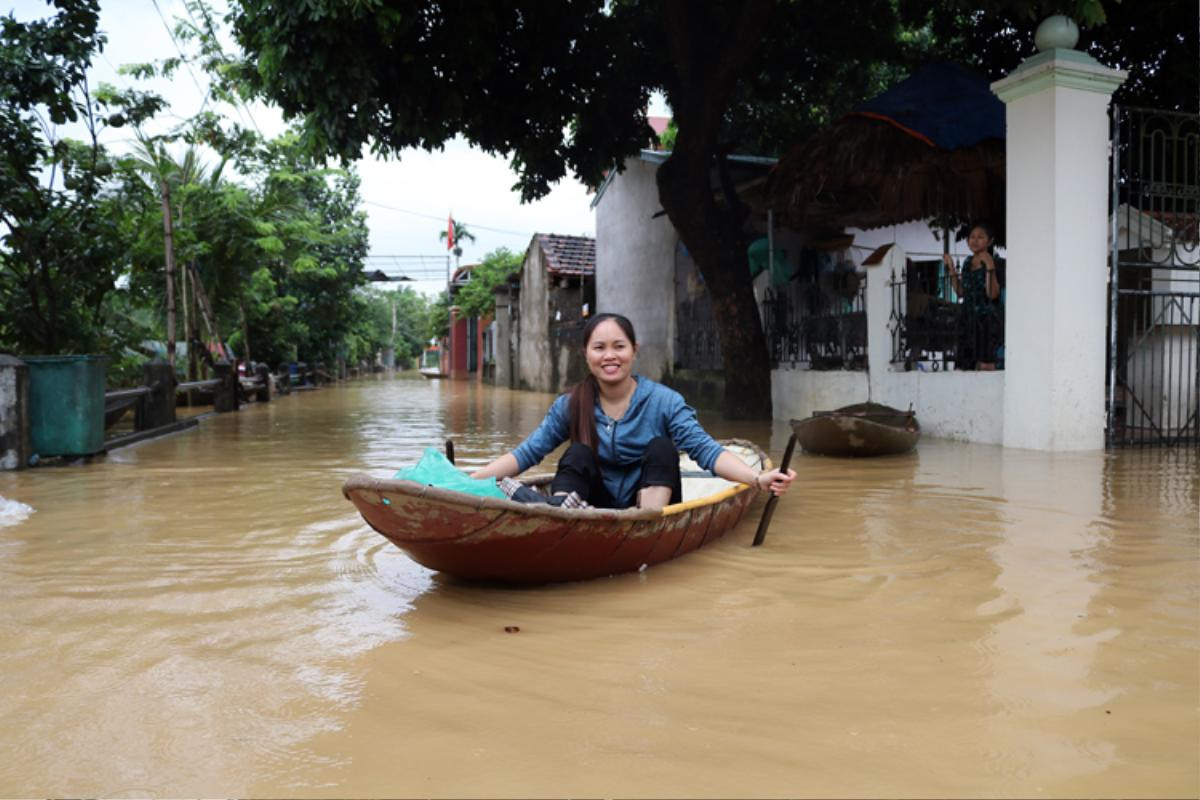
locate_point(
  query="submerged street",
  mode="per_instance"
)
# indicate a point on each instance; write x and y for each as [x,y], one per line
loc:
[206,614]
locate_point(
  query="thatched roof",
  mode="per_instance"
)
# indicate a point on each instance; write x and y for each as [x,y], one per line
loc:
[865,173]
[930,147]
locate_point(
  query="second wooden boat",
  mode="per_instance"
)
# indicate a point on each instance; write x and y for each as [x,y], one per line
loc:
[862,429]
[492,539]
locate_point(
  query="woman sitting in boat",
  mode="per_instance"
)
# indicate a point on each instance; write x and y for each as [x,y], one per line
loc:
[626,432]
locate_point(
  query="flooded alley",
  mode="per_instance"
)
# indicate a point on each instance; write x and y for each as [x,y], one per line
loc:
[205,614]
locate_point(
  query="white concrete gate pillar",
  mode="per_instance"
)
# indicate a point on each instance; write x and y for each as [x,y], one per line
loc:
[1057,233]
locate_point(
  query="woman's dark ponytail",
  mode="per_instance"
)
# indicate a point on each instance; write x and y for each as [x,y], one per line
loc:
[581,412]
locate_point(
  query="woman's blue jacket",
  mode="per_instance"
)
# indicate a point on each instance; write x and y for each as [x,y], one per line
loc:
[654,410]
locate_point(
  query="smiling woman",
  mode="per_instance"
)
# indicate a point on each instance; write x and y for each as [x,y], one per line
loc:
[625,432]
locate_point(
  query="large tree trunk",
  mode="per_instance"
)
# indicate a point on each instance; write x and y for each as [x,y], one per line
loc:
[714,238]
[710,46]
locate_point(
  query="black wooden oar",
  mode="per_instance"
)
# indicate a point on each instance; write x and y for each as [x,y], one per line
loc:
[770,509]
[450,450]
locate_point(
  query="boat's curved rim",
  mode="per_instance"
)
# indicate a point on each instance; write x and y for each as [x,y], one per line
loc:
[852,412]
[813,422]
[363,482]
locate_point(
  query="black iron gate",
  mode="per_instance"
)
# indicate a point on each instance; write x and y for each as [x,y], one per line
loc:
[1154,323]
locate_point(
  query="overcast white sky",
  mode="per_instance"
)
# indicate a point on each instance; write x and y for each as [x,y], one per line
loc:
[408,201]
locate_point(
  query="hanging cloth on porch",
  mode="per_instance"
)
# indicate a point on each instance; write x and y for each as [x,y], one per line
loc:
[758,254]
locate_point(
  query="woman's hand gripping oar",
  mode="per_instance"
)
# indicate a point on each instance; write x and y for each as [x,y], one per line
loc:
[774,498]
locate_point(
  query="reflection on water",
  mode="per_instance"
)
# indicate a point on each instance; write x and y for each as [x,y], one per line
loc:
[205,614]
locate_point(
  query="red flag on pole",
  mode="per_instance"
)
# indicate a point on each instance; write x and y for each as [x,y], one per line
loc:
[450,233]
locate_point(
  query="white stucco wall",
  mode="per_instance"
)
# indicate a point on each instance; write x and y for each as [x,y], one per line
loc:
[533,361]
[635,263]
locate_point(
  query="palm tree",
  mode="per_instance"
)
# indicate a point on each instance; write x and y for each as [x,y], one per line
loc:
[164,175]
[460,233]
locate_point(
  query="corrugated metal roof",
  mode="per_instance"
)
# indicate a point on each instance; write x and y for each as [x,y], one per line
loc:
[568,255]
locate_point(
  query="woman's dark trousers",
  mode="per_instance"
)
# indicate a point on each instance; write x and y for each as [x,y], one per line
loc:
[579,472]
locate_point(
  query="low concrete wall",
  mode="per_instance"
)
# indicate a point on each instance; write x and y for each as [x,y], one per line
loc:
[968,406]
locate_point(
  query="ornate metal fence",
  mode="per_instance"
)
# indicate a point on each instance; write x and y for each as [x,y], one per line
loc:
[934,330]
[1154,327]
[697,342]
[818,323]
[925,318]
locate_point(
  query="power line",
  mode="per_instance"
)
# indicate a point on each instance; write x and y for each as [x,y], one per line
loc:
[178,49]
[238,104]
[462,222]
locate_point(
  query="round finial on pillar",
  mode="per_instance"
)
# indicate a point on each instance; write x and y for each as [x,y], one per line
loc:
[1056,32]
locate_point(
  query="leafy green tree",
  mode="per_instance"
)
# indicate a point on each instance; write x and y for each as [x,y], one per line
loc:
[412,324]
[279,250]
[439,316]
[476,298]
[666,139]
[389,319]
[313,245]
[1149,40]
[60,250]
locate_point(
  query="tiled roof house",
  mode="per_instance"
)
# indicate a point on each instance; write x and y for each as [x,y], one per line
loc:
[537,333]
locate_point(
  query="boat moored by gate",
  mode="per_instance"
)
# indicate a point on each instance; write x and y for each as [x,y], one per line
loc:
[862,429]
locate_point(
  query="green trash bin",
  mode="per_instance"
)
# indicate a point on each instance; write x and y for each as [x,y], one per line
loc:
[66,404]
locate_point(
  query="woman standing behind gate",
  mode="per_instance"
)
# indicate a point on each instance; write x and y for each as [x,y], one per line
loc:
[979,284]
[625,432]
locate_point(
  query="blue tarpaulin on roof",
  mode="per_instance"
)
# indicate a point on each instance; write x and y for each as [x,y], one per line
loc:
[945,104]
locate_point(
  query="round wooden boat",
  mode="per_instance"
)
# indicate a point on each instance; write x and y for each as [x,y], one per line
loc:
[484,538]
[862,429]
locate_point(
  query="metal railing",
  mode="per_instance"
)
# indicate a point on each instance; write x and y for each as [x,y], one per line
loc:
[188,386]
[697,339]
[934,330]
[818,323]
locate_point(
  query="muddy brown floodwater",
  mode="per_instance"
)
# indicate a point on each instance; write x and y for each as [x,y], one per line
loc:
[206,615]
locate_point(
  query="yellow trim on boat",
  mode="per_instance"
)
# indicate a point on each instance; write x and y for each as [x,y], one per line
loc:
[707,500]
